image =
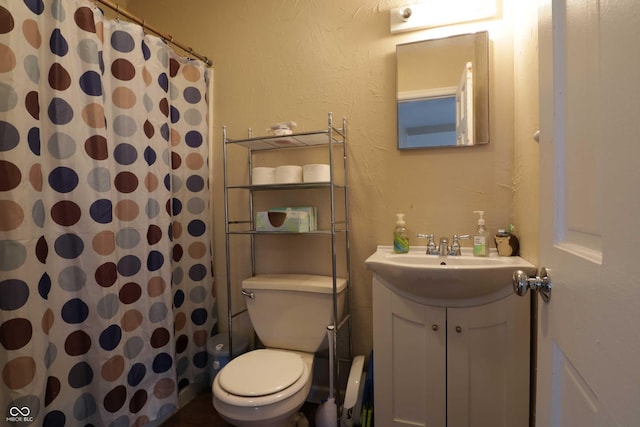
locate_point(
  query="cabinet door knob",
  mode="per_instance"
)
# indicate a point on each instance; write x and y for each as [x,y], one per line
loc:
[458,329]
[434,326]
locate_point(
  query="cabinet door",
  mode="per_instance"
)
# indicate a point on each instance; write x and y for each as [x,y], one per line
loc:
[409,343]
[488,364]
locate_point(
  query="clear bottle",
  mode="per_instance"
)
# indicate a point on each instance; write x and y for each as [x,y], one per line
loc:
[400,236]
[481,237]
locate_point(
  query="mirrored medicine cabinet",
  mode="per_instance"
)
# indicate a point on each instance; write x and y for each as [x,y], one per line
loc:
[443,92]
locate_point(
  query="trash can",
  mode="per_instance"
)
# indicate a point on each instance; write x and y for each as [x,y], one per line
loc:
[218,349]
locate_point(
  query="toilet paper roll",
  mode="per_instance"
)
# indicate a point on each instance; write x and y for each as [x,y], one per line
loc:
[263,176]
[316,173]
[288,174]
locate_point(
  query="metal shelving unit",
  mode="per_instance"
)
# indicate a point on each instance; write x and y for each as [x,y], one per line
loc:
[334,140]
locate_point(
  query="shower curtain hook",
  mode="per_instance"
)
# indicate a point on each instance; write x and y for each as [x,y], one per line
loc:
[144,27]
[190,54]
[117,12]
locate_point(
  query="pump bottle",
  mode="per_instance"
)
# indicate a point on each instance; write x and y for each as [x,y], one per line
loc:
[400,236]
[481,237]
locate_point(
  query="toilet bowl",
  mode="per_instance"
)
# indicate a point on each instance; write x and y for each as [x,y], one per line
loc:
[265,387]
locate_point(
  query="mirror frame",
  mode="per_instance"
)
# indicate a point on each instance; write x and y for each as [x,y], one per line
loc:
[481,124]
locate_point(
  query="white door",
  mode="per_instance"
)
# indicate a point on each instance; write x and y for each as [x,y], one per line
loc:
[589,333]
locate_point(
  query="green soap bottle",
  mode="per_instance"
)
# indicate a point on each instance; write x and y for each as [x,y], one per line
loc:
[400,236]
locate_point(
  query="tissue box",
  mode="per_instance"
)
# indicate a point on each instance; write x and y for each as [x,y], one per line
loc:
[290,220]
[312,212]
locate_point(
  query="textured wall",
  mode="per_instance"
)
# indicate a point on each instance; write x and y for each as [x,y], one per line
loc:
[525,174]
[278,60]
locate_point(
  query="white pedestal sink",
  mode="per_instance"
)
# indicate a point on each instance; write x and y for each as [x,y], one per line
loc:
[449,281]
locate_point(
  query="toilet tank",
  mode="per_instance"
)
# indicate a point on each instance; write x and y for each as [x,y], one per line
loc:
[292,311]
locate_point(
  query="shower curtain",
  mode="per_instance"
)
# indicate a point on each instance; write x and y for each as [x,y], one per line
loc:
[106,285]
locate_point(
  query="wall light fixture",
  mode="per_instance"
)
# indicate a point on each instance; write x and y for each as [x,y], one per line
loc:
[438,13]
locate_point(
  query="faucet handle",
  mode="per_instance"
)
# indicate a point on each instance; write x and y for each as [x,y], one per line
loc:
[461,237]
[431,245]
[455,244]
[425,236]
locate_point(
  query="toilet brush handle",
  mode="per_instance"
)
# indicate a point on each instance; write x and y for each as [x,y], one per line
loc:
[330,337]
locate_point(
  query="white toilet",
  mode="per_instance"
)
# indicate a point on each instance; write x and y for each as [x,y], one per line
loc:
[290,314]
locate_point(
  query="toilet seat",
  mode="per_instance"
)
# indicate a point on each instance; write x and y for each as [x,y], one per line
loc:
[300,386]
[270,371]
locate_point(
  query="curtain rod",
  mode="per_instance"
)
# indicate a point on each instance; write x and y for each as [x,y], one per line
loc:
[167,37]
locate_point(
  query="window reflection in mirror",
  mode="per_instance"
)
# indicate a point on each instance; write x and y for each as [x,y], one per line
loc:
[443,92]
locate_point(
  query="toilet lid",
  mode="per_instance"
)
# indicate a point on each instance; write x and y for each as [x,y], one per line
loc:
[261,372]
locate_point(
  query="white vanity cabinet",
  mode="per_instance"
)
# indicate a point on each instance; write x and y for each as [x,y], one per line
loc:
[449,366]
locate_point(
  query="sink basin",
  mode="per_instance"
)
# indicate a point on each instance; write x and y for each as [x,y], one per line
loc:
[442,280]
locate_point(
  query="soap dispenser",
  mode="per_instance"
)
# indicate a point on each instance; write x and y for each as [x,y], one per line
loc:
[400,236]
[481,237]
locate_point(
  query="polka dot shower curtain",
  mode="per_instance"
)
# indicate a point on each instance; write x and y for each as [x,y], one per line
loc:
[106,287]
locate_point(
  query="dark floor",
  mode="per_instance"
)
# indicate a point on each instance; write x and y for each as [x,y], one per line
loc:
[200,412]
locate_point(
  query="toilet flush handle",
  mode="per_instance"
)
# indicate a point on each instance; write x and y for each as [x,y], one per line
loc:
[248,294]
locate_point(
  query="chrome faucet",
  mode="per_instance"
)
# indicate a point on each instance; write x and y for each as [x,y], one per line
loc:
[431,245]
[443,249]
[455,244]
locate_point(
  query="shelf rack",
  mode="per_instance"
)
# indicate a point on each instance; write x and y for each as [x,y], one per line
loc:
[335,141]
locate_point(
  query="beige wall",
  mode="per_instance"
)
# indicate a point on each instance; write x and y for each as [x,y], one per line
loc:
[525,175]
[280,60]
